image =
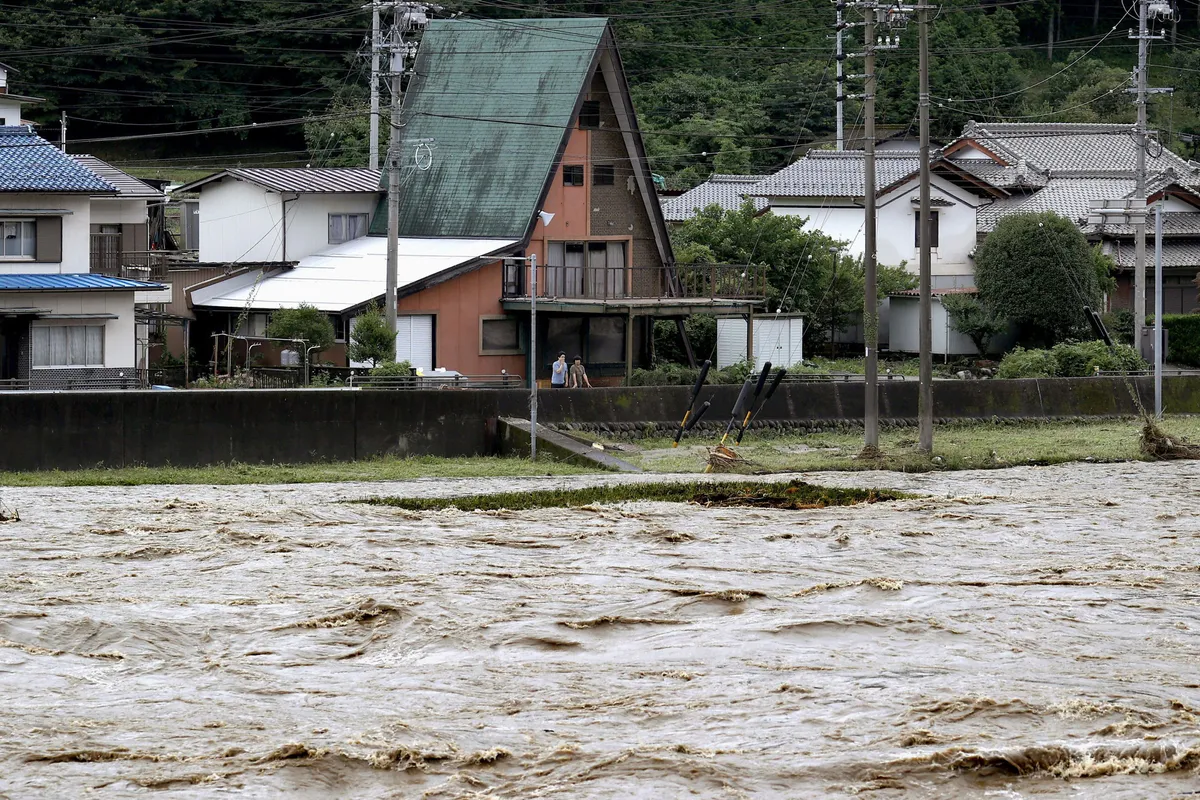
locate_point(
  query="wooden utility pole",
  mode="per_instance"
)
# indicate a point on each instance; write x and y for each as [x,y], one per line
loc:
[925,397]
[1139,225]
[870,297]
[373,158]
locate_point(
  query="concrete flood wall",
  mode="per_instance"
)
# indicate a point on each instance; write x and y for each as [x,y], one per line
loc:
[69,430]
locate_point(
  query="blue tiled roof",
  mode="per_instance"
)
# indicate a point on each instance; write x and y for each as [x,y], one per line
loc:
[28,163]
[70,282]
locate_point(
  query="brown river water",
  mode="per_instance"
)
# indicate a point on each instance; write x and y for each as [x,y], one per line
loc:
[1017,633]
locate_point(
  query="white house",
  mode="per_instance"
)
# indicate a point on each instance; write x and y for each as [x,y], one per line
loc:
[10,104]
[281,214]
[60,326]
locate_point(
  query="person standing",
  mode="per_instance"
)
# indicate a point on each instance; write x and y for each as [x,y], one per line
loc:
[578,375]
[558,372]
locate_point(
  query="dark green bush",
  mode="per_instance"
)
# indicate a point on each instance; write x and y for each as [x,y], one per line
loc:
[1022,363]
[681,375]
[1119,324]
[1183,338]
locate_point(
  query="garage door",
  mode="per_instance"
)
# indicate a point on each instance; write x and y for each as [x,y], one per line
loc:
[414,340]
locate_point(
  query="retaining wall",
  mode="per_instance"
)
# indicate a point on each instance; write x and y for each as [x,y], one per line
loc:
[69,430]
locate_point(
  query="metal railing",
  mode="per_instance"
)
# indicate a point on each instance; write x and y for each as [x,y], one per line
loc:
[145,265]
[504,381]
[688,281]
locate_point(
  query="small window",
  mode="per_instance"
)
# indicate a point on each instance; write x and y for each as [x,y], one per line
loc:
[933,229]
[68,346]
[339,327]
[572,175]
[603,175]
[344,227]
[589,114]
[501,335]
[18,239]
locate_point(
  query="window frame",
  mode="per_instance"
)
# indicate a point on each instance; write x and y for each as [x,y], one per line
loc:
[484,351]
[604,175]
[346,215]
[933,228]
[32,223]
[102,329]
[589,111]
[570,171]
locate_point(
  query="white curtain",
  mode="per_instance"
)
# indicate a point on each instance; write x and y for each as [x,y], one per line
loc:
[68,346]
[616,269]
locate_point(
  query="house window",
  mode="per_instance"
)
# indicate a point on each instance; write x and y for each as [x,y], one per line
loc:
[933,229]
[339,327]
[344,227]
[589,114]
[499,335]
[585,269]
[68,346]
[572,175]
[18,239]
[603,175]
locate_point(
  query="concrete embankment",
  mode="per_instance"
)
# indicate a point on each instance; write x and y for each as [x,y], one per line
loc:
[83,429]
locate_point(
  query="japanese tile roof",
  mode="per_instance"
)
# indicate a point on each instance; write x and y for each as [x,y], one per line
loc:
[126,185]
[70,282]
[29,163]
[937,292]
[489,107]
[1002,176]
[301,180]
[1177,253]
[836,173]
[726,191]
[1067,197]
[1070,147]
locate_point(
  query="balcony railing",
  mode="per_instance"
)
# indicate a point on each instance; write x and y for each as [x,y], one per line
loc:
[108,259]
[689,281]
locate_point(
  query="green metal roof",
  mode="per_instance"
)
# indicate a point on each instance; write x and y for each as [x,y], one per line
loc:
[485,114]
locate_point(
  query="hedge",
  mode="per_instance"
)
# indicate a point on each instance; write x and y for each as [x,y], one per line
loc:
[1070,360]
[1183,338]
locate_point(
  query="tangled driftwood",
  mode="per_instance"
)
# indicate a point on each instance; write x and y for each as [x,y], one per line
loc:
[1156,444]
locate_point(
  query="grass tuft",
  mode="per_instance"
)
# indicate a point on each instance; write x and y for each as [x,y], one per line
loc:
[793,495]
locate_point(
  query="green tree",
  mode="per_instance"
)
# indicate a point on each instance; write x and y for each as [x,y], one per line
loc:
[971,319]
[1038,271]
[303,322]
[371,339]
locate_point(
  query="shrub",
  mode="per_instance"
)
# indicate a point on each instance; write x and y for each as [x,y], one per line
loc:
[1022,363]
[971,319]
[681,375]
[392,369]
[1183,338]
[372,340]
[303,322]
[1120,324]
[1038,271]
[1070,360]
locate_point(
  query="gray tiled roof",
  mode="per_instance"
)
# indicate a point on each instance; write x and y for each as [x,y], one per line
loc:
[1067,197]
[28,163]
[836,173]
[1071,147]
[1177,253]
[726,191]
[126,185]
[1001,176]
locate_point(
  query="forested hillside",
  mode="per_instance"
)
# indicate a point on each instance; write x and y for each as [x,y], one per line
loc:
[730,86]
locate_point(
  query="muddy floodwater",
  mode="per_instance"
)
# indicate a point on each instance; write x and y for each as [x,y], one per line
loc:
[1017,633]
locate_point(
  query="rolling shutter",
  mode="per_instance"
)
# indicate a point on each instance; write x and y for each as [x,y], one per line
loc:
[414,340]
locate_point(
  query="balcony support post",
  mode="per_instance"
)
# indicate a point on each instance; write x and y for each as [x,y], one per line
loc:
[629,347]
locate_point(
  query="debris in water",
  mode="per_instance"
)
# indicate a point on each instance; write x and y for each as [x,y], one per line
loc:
[1156,444]
[9,514]
[725,459]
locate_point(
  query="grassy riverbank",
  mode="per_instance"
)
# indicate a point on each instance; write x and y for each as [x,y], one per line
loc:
[979,445]
[383,469]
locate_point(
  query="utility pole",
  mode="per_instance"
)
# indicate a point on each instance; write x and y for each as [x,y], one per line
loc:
[1146,10]
[840,96]
[533,387]
[925,396]
[62,131]
[871,290]
[406,18]
[1158,309]
[373,159]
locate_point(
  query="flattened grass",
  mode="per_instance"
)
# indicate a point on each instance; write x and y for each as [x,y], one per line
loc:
[381,469]
[760,494]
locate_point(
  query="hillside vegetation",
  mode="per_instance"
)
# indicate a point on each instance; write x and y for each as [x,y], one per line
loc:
[731,86]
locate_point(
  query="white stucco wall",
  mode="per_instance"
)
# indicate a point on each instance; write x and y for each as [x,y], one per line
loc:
[75,232]
[240,221]
[906,332]
[836,218]
[111,211]
[956,229]
[10,111]
[119,344]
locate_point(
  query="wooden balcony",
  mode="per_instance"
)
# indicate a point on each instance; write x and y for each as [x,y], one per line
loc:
[142,265]
[686,282]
